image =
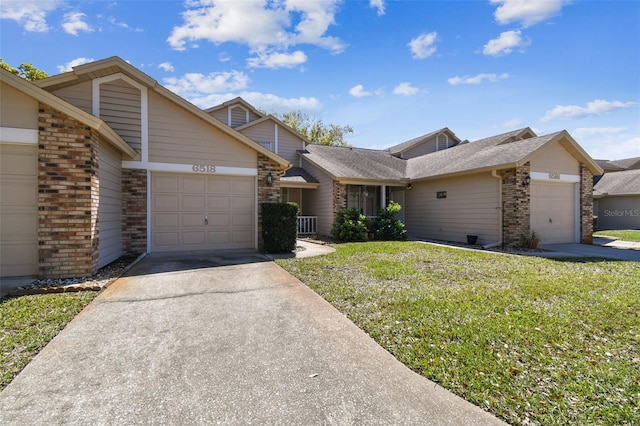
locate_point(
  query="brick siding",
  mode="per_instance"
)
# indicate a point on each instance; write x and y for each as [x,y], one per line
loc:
[68,194]
[586,205]
[266,193]
[516,204]
[134,211]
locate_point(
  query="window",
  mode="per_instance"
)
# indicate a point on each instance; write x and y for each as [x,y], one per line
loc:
[266,145]
[364,198]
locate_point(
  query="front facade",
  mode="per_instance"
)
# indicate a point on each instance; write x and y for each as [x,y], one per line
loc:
[103,161]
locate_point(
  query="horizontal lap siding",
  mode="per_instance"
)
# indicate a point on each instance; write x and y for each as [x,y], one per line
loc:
[319,202]
[120,107]
[262,132]
[78,95]
[17,110]
[471,208]
[555,159]
[426,147]
[110,206]
[289,145]
[178,136]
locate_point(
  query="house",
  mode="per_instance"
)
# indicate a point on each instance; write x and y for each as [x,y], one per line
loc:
[617,194]
[104,161]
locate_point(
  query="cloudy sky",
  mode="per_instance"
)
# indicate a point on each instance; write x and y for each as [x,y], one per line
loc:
[393,70]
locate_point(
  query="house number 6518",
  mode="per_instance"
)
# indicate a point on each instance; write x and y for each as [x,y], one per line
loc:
[204,168]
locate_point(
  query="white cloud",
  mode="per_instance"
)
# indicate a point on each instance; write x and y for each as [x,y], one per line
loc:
[277,60]
[378,5]
[73,22]
[423,46]
[120,24]
[263,26]
[505,43]
[527,12]
[74,63]
[30,14]
[359,92]
[596,107]
[405,89]
[194,85]
[167,66]
[607,143]
[491,77]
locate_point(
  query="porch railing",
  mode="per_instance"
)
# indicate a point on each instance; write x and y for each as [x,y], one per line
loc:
[307,225]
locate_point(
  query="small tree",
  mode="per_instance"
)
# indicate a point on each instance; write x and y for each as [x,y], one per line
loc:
[350,225]
[315,129]
[387,227]
[24,70]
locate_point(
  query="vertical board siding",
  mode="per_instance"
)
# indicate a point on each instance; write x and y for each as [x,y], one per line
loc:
[319,202]
[470,208]
[121,108]
[110,205]
[78,95]
[555,159]
[17,110]
[178,136]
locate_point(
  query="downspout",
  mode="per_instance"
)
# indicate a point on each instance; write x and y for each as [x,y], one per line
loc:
[494,173]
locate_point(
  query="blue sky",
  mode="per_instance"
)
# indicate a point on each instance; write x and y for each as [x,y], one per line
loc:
[393,70]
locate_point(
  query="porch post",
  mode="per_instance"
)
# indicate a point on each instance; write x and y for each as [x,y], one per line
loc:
[383,196]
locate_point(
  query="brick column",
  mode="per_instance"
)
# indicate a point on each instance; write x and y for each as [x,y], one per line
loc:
[339,197]
[68,195]
[266,193]
[134,211]
[586,205]
[516,203]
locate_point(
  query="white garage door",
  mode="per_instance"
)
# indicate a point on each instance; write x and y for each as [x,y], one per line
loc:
[202,212]
[553,211]
[18,210]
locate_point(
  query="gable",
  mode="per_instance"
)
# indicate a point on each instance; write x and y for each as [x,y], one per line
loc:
[554,158]
[17,109]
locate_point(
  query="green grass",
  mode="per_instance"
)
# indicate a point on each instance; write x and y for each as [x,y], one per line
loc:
[624,235]
[532,340]
[28,323]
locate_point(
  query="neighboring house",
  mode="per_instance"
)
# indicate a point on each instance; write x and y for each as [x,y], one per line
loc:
[617,194]
[103,161]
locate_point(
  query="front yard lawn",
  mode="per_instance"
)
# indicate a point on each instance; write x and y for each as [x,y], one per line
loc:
[28,323]
[532,340]
[624,235]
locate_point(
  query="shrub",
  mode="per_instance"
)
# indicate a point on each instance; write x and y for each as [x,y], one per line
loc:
[279,227]
[387,227]
[350,226]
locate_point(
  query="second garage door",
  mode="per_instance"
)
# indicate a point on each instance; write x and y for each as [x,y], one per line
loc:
[553,211]
[202,212]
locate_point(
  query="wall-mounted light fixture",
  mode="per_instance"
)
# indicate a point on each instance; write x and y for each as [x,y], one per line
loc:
[526,181]
[409,187]
[269,179]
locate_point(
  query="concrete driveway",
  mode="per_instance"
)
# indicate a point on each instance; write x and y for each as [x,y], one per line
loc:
[211,339]
[607,248]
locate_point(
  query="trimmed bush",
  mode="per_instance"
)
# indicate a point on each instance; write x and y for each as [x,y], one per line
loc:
[350,225]
[387,227]
[279,227]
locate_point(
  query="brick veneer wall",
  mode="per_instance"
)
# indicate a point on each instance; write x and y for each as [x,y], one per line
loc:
[68,194]
[516,203]
[266,193]
[339,197]
[586,205]
[134,211]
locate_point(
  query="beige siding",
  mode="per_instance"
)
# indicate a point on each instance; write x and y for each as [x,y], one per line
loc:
[238,116]
[470,208]
[555,159]
[288,146]
[619,212]
[319,202]
[262,132]
[426,147]
[220,114]
[18,210]
[178,136]
[120,107]
[78,95]
[553,211]
[16,109]
[110,205]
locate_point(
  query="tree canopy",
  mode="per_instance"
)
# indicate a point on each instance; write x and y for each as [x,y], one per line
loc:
[24,70]
[316,130]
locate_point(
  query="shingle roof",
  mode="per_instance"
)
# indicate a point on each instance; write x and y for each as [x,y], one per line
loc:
[609,166]
[627,163]
[626,182]
[404,146]
[493,152]
[298,175]
[356,163]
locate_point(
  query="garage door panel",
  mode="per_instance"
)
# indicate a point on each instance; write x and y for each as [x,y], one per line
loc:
[181,225]
[553,211]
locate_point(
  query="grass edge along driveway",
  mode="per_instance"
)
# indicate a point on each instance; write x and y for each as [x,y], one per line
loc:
[531,340]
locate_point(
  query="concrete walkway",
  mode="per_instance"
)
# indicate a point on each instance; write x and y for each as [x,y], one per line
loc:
[607,248]
[206,338]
